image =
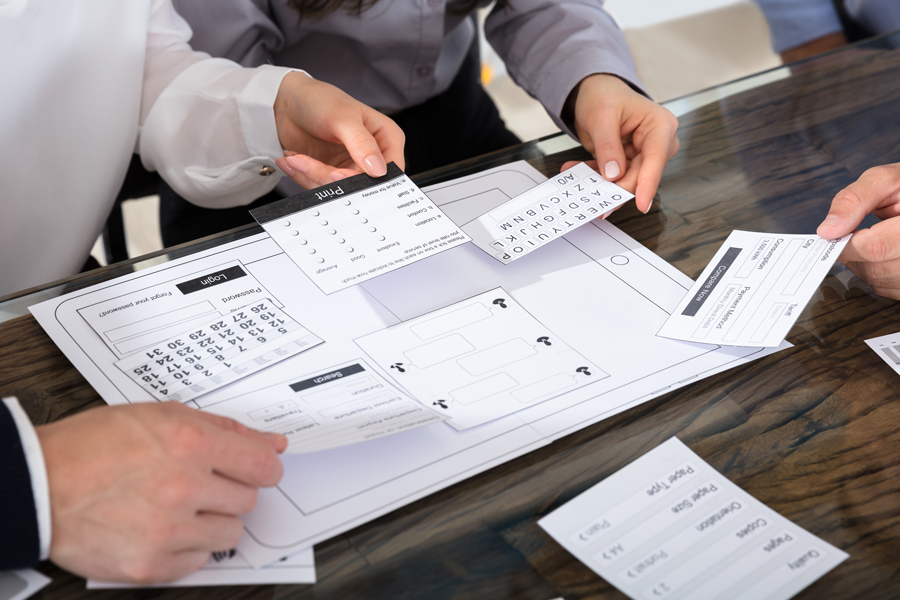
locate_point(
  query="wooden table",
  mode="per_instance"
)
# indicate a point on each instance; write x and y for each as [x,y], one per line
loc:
[813,431]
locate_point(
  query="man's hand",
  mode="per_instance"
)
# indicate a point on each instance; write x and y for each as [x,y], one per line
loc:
[631,136]
[328,135]
[872,254]
[144,493]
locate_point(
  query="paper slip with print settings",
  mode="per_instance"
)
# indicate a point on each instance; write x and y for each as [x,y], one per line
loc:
[753,289]
[888,348]
[358,228]
[670,526]
[221,351]
[544,213]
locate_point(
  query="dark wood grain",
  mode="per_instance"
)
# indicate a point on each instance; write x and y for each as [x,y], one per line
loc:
[813,431]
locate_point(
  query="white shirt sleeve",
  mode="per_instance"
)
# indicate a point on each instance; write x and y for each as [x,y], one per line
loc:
[34,457]
[207,125]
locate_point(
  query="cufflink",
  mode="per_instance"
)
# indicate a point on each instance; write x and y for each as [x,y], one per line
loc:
[266,170]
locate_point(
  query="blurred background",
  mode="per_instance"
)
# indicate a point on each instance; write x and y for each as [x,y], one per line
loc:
[679,46]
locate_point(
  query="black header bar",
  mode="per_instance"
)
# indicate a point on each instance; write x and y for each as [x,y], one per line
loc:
[327,377]
[715,276]
[320,195]
[207,281]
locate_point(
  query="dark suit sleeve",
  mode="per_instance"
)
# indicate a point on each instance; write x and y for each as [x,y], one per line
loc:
[19,536]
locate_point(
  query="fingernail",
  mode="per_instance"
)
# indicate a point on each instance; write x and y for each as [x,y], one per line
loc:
[288,153]
[831,221]
[375,165]
[298,163]
[285,166]
[649,206]
[337,176]
[611,169]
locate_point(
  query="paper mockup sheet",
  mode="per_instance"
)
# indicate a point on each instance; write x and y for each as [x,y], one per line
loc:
[670,526]
[211,355]
[480,359]
[596,290]
[544,213]
[753,290]
[230,568]
[888,348]
[358,228]
[21,584]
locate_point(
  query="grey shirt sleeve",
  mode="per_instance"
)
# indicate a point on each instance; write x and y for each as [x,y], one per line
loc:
[549,46]
[244,31]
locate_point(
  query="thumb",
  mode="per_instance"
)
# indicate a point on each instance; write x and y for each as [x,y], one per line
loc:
[362,147]
[850,206]
[608,149]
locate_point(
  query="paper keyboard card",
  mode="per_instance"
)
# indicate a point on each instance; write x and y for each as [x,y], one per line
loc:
[480,359]
[545,212]
[888,348]
[218,352]
[753,290]
[358,228]
[670,526]
[344,405]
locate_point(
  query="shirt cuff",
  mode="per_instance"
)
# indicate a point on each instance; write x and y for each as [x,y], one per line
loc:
[256,108]
[34,457]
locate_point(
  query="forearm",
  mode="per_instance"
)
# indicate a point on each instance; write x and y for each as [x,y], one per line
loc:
[549,47]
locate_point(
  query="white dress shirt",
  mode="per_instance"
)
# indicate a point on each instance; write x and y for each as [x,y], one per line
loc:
[85,83]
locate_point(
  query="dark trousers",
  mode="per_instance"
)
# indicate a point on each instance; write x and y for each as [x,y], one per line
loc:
[460,123]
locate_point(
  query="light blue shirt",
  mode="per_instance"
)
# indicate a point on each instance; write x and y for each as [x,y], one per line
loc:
[796,22]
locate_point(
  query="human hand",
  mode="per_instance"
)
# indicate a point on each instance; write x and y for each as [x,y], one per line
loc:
[871,254]
[606,113]
[328,135]
[144,493]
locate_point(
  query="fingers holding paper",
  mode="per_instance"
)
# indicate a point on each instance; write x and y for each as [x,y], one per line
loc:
[631,136]
[144,493]
[328,135]
[872,254]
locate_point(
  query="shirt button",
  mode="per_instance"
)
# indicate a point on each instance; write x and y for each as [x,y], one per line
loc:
[266,170]
[423,71]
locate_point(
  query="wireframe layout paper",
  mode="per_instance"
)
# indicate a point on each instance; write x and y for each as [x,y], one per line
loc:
[753,290]
[595,289]
[888,348]
[670,526]
[21,583]
[361,227]
[345,404]
[545,213]
[479,359]
[214,354]
[230,568]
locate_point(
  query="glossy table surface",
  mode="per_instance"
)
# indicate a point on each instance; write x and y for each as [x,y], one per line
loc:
[813,431]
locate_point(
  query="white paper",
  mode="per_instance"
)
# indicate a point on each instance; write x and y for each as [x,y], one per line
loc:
[753,289]
[480,359]
[345,404]
[670,526]
[21,584]
[213,354]
[597,289]
[358,228]
[230,568]
[888,348]
[545,213]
